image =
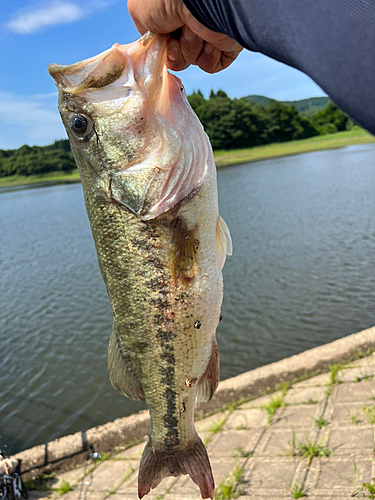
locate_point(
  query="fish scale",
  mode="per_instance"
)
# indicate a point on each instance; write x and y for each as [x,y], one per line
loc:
[149,184]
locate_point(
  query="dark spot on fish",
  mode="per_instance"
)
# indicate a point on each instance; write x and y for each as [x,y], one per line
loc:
[183,408]
[197,325]
[141,117]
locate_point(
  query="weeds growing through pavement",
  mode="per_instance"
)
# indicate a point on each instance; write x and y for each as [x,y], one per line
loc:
[320,422]
[240,452]
[274,403]
[308,449]
[65,487]
[229,488]
[298,491]
[370,413]
[369,489]
[355,479]
[334,371]
[353,417]
[310,401]
[216,426]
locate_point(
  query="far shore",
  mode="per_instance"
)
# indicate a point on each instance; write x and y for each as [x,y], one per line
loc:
[226,158]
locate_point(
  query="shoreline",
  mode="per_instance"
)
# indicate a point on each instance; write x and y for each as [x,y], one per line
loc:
[223,158]
[70,450]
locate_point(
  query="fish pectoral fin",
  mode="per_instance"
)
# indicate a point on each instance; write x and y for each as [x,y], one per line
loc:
[184,253]
[124,380]
[209,381]
[224,245]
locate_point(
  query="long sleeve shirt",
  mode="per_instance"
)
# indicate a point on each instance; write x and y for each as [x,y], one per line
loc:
[332,41]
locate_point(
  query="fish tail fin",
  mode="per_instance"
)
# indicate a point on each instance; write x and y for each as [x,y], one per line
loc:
[158,464]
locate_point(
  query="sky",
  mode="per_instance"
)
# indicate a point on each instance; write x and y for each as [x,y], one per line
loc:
[36,33]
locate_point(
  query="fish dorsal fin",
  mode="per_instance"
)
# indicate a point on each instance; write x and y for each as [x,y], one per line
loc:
[120,376]
[224,245]
[209,381]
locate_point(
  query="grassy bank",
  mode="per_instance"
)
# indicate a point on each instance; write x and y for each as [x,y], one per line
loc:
[51,178]
[319,143]
[226,158]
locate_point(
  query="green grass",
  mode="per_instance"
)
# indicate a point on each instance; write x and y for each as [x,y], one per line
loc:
[274,403]
[320,422]
[353,417]
[334,374]
[369,411]
[228,489]
[298,491]
[240,452]
[319,143]
[216,426]
[308,448]
[369,489]
[65,487]
[51,177]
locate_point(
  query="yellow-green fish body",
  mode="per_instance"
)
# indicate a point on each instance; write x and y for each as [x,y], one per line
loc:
[149,184]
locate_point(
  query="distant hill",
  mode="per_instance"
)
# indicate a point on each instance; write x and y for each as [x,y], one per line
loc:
[303,106]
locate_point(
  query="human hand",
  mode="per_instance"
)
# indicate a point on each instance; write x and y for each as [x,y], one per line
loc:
[196,44]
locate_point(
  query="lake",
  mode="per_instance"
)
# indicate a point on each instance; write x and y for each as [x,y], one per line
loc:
[301,275]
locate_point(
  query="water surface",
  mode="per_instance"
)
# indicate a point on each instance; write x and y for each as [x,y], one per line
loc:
[302,274]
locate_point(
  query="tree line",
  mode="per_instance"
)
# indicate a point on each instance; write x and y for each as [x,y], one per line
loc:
[229,123]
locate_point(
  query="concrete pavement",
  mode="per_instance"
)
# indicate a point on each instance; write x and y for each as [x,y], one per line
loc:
[313,438]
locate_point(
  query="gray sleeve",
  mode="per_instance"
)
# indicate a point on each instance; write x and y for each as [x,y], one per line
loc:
[332,41]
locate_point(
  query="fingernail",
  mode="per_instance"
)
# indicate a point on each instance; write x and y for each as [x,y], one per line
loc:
[173,51]
[208,48]
[188,35]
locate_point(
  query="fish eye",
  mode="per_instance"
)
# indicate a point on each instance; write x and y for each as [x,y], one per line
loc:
[80,125]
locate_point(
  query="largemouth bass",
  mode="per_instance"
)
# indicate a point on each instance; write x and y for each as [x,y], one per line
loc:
[149,184]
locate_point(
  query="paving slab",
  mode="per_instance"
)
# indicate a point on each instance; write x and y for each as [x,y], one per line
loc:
[335,476]
[264,451]
[269,477]
[296,416]
[246,418]
[341,413]
[356,440]
[305,395]
[226,443]
[322,379]
[277,442]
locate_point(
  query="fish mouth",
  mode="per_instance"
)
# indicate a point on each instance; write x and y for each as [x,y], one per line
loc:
[139,60]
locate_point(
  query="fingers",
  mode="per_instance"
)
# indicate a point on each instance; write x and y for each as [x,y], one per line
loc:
[190,49]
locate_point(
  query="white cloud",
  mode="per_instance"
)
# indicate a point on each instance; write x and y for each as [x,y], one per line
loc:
[38,17]
[28,120]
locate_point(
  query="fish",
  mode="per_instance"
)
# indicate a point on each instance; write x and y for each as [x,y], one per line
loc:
[150,189]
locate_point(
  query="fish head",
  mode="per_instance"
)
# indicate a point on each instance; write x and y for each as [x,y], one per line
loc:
[133,134]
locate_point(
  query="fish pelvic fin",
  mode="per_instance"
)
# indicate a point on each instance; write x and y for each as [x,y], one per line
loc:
[209,381]
[157,464]
[123,379]
[224,245]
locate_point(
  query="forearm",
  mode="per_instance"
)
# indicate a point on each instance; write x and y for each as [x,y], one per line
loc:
[331,41]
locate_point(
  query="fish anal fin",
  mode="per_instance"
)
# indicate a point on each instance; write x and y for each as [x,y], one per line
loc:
[158,464]
[223,241]
[209,381]
[120,376]
[184,250]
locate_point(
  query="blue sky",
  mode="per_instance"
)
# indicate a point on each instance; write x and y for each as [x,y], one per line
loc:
[36,33]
